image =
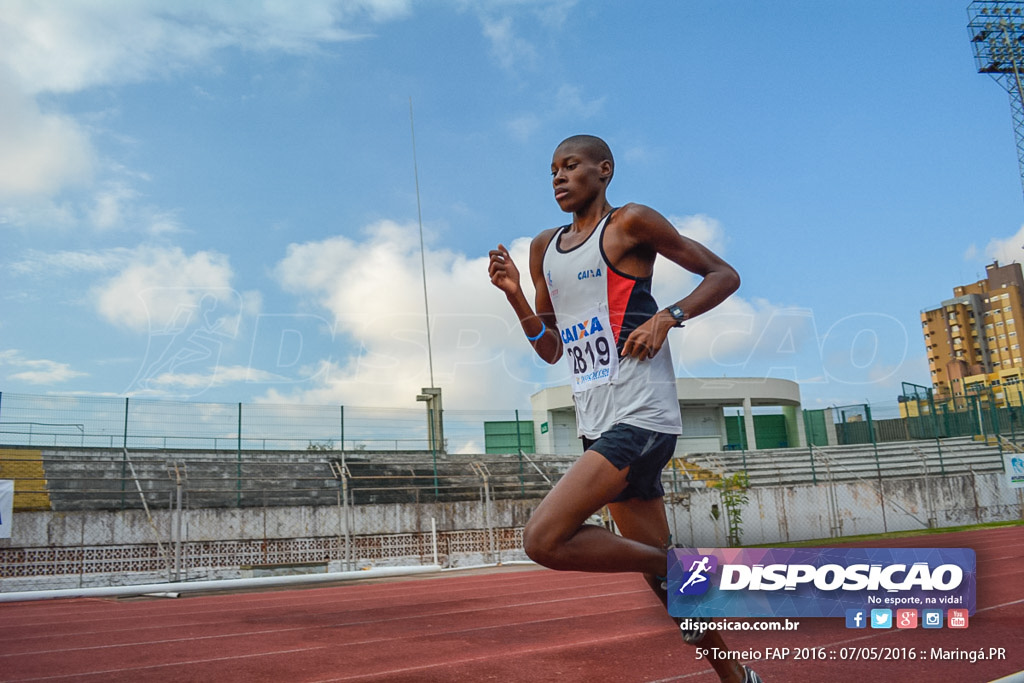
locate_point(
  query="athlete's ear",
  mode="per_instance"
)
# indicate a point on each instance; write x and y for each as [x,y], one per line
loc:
[607,171]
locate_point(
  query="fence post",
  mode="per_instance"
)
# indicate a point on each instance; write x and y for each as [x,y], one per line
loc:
[238,456]
[741,425]
[871,435]
[519,450]
[1013,418]
[878,465]
[342,424]
[1020,411]
[810,447]
[124,453]
[935,431]
[994,412]
[177,523]
[432,434]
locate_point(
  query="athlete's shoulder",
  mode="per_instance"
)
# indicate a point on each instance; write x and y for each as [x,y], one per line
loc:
[539,247]
[633,214]
[545,236]
[540,242]
[634,225]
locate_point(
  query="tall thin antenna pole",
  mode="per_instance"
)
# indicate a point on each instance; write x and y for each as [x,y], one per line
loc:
[423,262]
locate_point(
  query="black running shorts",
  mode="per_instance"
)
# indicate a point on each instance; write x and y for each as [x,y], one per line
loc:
[644,452]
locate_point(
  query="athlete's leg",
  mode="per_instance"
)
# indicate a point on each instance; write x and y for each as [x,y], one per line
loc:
[645,521]
[557,537]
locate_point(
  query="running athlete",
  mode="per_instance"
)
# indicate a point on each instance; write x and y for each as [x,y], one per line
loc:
[594,307]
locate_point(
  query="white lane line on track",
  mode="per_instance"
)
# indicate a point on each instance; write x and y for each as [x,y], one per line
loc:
[79,674]
[522,653]
[252,606]
[389,638]
[369,642]
[406,617]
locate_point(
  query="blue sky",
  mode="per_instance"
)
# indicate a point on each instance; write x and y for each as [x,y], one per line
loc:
[215,201]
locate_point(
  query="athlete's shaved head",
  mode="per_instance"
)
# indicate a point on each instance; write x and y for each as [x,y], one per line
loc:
[591,145]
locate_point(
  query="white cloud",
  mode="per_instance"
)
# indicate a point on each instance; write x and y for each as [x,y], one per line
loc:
[508,48]
[1007,250]
[568,104]
[372,288]
[571,103]
[35,371]
[69,262]
[115,207]
[703,229]
[75,45]
[218,375]
[524,126]
[184,303]
[109,208]
[40,152]
[158,286]
[70,46]
[741,336]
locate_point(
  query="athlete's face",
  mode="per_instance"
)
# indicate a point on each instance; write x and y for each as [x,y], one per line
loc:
[576,177]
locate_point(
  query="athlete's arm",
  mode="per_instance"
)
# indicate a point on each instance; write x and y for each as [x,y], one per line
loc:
[643,234]
[505,276]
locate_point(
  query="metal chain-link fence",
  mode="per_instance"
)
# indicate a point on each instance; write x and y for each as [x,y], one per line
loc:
[135,492]
[97,517]
[100,422]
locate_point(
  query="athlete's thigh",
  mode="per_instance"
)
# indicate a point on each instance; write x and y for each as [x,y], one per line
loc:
[642,520]
[589,484]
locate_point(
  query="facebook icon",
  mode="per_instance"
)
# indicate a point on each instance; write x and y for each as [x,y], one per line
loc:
[855,618]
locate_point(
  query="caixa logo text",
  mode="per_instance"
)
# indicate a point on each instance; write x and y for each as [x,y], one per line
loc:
[580,330]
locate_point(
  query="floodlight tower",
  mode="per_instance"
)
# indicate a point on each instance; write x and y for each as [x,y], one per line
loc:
[996,29]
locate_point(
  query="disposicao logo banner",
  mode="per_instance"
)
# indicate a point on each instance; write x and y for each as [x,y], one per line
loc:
[817,582]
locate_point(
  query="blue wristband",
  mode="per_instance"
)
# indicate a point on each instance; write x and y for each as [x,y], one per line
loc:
[543,329]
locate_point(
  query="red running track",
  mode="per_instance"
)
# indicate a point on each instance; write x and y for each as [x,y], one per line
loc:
[502,625]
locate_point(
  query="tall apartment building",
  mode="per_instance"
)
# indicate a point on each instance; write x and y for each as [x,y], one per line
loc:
[976,332]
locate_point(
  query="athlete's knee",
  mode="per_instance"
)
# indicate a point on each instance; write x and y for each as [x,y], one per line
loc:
[540,546]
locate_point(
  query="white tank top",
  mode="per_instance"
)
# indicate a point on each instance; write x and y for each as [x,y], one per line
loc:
[597,308]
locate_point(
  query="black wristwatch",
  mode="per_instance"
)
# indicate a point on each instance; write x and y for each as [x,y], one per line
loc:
[677,313]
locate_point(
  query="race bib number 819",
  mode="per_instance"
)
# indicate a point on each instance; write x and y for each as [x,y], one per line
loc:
[590,350]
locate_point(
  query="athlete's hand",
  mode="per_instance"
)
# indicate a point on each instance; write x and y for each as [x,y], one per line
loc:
[647,339]
[503,272]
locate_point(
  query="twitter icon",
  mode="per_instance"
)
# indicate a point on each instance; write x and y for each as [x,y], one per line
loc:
[881,618]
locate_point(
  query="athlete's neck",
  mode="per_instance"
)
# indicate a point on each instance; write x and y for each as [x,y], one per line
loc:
[587,219]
